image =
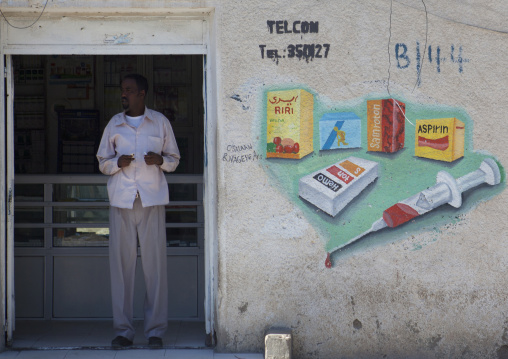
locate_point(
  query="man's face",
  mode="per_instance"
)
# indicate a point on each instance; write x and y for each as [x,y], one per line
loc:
[132,98]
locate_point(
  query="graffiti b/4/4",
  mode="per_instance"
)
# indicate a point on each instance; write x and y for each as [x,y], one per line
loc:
[435,55]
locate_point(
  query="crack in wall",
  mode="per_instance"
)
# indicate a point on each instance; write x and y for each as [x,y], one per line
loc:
[459,22]
[420,64]
[389,58]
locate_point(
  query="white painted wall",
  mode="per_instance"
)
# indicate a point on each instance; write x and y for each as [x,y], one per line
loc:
[444,300]
[447,299]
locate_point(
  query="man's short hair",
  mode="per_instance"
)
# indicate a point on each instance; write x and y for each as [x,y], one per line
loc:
[141,81]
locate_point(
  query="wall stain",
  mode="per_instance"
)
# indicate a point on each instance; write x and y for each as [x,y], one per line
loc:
[237,97]
[434,341]
[467,353]
[413,327]
[502,352]
[243,308]
[505,335]
[357,324]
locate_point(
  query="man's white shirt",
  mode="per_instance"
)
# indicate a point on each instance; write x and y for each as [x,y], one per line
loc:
[154,134]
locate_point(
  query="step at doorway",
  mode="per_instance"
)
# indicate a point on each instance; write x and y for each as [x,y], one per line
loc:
[98,334]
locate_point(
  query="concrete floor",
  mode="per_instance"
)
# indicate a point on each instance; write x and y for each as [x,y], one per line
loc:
[92,339]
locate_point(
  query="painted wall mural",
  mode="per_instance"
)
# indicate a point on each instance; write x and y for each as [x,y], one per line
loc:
[371,170]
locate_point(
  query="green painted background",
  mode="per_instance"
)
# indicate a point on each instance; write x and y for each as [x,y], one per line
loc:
[401,175]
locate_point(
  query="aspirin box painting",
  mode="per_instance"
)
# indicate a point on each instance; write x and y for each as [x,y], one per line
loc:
[440,139]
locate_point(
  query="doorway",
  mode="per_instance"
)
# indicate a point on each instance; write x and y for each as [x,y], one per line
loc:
[110,31]
[61,105]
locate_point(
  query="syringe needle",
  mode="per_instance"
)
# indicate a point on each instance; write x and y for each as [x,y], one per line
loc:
[376,226]
[446,190]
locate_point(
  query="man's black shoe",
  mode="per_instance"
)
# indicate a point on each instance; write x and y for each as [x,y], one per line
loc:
[121,342]
[154,343]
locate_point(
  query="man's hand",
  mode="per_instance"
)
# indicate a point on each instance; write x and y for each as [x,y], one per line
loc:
[152,158]
[125,160]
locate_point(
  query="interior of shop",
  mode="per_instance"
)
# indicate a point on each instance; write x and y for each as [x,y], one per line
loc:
[61,106]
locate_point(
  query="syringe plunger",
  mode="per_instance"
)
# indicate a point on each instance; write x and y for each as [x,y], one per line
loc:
[446,190]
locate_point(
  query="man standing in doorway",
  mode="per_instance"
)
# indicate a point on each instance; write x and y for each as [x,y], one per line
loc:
[136,147]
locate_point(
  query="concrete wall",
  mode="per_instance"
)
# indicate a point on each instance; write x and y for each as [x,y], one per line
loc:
[434,287]
[429,289]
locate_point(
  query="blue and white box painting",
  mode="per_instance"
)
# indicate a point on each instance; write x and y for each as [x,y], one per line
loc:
[340,130]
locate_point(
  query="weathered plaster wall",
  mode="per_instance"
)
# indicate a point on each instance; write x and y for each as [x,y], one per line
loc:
[439,292]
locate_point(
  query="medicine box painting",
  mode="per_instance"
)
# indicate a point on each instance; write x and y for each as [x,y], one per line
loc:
[367,171]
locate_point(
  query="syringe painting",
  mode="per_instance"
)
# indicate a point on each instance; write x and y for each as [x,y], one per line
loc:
[358,167]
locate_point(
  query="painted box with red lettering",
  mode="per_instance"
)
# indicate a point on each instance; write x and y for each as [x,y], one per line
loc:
[385,125]
[333,187]
[440,139]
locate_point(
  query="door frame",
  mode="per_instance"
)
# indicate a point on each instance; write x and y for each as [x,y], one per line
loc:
[9,195]
[3,214]
[14,41]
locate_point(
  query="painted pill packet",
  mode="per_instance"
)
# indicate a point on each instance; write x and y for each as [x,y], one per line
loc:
[333,187]
[440,139]
[385,125]
[340,130]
